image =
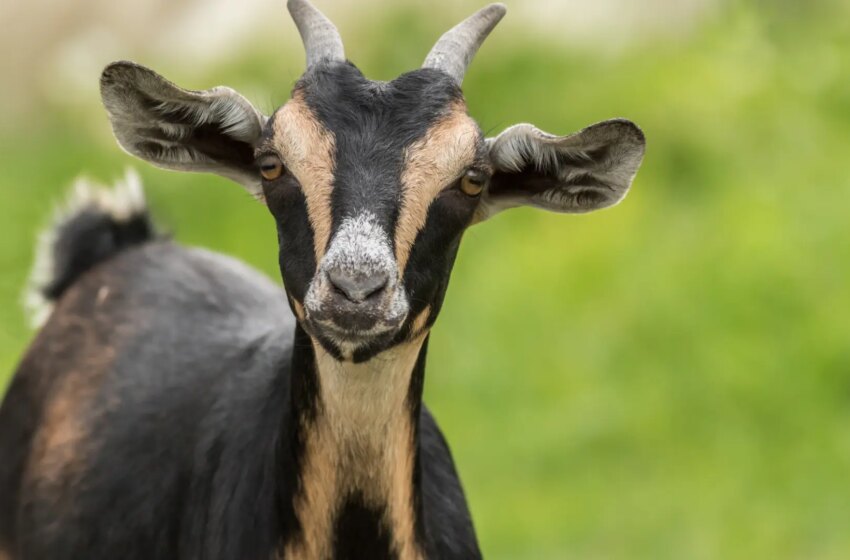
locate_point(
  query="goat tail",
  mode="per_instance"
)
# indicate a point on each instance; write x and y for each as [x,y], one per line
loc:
[95,223]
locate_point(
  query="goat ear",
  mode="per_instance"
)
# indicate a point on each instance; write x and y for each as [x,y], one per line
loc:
[585,171]
[213,130]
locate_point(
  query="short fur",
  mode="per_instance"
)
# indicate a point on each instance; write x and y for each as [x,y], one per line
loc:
[197,458]
[174,407]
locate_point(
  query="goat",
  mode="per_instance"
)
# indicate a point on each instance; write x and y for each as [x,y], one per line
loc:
[177,404]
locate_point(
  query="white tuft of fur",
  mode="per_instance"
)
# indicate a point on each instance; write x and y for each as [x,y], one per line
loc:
[125,200]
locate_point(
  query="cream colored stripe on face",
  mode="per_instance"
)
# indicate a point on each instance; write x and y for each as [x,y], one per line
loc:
[308,149]
[418,326]
[431,163]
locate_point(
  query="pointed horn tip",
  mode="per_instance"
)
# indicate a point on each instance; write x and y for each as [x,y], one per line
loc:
[492,14]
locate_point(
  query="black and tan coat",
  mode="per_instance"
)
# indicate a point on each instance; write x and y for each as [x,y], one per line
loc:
[177,404]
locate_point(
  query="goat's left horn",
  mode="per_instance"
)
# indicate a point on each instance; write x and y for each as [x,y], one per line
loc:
[456,48]
[320,37]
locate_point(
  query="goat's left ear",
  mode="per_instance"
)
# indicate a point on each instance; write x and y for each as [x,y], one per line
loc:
[214,130]
[585,171]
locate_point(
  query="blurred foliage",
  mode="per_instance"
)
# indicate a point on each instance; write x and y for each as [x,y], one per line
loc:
[668,379]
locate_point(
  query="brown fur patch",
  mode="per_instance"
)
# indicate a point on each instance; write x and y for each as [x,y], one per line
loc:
[299,309]
[5,555]
[431,164]
[74,347]
[57,443]
[307,149]
[361,441]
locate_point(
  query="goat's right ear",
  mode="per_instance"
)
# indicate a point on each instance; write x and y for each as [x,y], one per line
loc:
[214,130]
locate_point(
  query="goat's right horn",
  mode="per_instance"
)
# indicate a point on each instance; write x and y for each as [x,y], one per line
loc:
[320,37]
[456,48]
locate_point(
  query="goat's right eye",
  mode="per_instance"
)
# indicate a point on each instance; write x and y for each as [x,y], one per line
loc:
[271,167]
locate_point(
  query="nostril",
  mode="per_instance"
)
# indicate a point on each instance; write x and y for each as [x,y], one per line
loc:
[357,288]
[376,288]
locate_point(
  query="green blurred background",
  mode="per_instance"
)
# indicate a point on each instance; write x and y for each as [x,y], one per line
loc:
[669,379]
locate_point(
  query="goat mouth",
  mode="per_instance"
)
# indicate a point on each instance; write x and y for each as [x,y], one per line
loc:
[353,333]
[351,324]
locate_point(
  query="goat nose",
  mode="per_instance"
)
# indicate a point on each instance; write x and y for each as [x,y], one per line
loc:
[357,287]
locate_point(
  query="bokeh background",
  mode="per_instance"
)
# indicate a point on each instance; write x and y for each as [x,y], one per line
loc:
[669,379]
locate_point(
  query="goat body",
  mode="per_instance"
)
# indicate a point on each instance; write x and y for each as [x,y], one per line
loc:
[179,405]
[153,417]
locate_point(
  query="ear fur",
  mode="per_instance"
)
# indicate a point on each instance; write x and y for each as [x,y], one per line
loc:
[213,130]
[582,172]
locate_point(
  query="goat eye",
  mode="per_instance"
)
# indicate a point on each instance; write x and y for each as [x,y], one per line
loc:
[472,183]
[271,167]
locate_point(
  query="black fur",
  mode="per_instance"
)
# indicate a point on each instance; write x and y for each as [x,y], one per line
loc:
[296,257]
[87,237]
[198,457]
[361,533]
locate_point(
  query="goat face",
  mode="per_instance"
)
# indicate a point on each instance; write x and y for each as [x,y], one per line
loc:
[372,184]
[365,182]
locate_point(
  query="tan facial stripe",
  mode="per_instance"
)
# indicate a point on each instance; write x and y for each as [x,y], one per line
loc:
[431,163]
[418,324]
[308,148]
[299,309]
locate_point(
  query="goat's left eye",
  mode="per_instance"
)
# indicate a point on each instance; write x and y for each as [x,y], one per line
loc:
[473,183]
[271,167]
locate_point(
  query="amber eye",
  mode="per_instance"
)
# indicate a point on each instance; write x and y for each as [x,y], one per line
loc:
[271,167]
[473,182]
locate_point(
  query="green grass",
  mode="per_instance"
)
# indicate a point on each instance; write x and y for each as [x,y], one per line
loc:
[669,379]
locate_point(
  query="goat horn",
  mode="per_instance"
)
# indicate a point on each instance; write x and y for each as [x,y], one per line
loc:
[456,48]
[321,38]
